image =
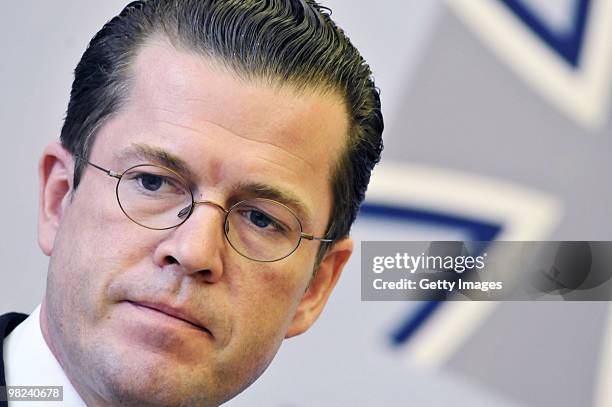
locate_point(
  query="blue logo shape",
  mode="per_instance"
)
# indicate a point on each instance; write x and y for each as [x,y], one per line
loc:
[476,229]
[568,45]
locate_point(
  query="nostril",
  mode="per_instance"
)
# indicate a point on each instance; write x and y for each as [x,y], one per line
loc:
[208,274]
[171,260]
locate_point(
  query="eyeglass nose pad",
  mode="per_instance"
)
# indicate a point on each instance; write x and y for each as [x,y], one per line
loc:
[184,212]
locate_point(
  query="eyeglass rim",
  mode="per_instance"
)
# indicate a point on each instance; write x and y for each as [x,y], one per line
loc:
[193,204]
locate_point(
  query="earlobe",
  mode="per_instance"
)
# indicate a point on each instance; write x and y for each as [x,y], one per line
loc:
[55,171]
[321,287]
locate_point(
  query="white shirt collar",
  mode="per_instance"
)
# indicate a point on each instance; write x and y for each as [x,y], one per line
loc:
[28,361]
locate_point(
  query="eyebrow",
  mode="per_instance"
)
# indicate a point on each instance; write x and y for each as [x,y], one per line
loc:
[162,157]
[158,156]
[285,197]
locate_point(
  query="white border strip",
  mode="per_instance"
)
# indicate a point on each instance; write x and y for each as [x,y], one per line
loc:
[603,391]
[583,94]
[524,214]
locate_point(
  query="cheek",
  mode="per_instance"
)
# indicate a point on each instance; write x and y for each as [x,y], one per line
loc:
[95,242]
[105,231]
[264,303]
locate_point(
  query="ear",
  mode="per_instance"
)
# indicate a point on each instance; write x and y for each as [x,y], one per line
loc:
[55,171]
[321,286]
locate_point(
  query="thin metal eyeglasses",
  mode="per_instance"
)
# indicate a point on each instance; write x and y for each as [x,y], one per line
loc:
[159,198]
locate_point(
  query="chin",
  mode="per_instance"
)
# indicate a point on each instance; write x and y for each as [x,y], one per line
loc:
[143,380]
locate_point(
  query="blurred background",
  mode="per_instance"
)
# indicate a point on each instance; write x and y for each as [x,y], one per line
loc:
[498,127]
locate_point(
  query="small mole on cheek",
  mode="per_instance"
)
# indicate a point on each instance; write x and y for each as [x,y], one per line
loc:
[269,276]
[278,279]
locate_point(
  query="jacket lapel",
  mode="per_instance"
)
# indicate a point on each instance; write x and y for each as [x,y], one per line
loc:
[8,322]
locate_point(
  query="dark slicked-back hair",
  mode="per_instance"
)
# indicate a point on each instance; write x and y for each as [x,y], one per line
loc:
[291,42]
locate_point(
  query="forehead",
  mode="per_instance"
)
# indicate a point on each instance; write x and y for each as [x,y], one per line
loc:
[231,130]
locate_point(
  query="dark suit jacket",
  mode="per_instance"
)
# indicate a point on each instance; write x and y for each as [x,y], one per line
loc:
[8,322]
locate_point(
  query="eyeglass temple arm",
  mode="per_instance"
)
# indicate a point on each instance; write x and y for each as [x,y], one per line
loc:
[311,237]
[110,173]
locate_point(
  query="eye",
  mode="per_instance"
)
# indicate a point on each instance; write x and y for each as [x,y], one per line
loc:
[155,182]
[151,182]
[259,219]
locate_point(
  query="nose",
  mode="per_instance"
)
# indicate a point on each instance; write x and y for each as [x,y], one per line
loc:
[196,246]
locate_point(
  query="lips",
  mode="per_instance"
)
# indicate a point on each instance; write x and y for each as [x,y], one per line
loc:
[177,313]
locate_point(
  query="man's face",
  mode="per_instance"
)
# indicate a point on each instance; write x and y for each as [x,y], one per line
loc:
[107,273]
